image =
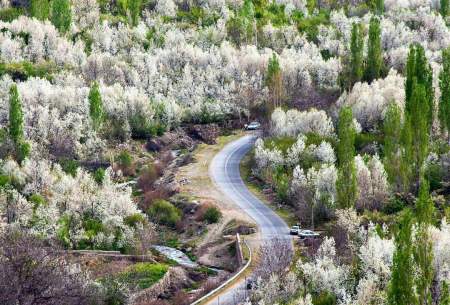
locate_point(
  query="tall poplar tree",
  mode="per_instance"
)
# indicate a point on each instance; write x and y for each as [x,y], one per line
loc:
[135,8]
[401,285]
[423,246]
[406,168]
[392,144]
[444,8]
[95,106]
[444,84]
[420,127]
[356,50]
[346,184]
[445,294]
[374,52]
[15,115]
[40,9]
[61,15]
[274,81]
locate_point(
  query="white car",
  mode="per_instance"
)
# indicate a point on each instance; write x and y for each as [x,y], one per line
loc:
[308,234]
[294,230]
[253,126]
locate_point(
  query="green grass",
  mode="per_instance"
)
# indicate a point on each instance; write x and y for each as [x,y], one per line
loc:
[280,143]
[143,275]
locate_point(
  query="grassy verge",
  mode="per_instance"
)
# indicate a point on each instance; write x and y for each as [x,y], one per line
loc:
[257,189]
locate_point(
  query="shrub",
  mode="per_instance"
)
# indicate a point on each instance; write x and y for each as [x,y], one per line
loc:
[212,215]
[394,205]
[23,151]
[38,200]
[435,175]
[11,13]
[70,166]
[125,159]
[113,291]
[133,220]
[325,298]
[163,212]
[99,175]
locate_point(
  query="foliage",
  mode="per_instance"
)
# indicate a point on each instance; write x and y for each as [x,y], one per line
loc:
[212,215]
[374,60]
[163,212]
[346,183]
[61,15]
[40,9]
[15,116]
[95,106]
[8,14]
[357,51]
[444,85]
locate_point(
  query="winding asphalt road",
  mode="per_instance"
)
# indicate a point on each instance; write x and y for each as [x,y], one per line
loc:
[224,171]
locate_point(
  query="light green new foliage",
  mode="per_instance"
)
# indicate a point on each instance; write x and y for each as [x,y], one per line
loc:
[15,115]
[423,247]
[445,295]
[40,9]
[444,8]
[401,285]
[346,184]
[61,15]
[356,50]
[374,51]
[444,85]
[135,7]
[392,147]
[96,106]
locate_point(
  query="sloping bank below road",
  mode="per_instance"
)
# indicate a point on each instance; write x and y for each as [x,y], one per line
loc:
[224,170]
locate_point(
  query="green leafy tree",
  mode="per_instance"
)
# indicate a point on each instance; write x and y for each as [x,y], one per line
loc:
[392,144]
[61,15]
[22,148]
[274,81]
[374,52]
[419,72]
[346,184]
[377,6]
[406,167]
[444,84]
[444,8]
[401,286]
[95,106]
[419,127]
[40,9]
[445,295]
[356,50]
[135,8]
[423,247]
[15,115]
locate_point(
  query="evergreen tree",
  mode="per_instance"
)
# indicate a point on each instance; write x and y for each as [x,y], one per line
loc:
[135,8]
[392,141]
[401,286]
[274,81]
[374,52]
[346,184]
[95,106]
[15,115]
[444,84]
[423,247]
[444,8]
[445,295]
[61,15]
[356,49]
[424,77]
[40,9]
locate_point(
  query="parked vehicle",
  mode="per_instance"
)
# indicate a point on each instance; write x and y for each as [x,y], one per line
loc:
[308,234]
[253,126]
[294,230]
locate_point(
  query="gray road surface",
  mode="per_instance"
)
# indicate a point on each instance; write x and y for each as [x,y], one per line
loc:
[224,170]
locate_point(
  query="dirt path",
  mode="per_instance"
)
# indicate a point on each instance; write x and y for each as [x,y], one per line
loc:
[198,183]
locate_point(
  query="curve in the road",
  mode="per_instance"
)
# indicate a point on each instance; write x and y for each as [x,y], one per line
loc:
[225,172]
